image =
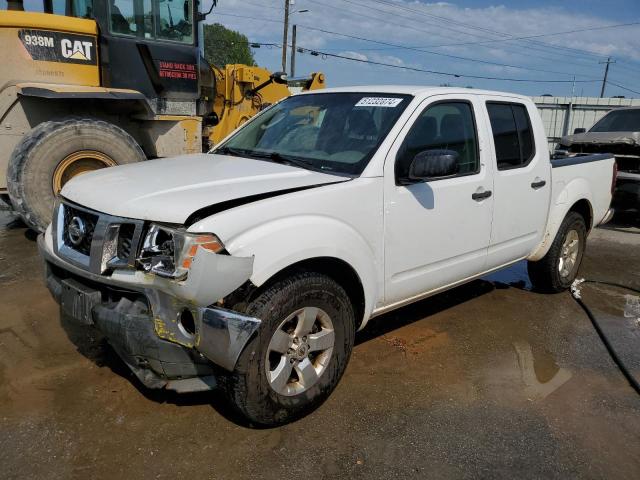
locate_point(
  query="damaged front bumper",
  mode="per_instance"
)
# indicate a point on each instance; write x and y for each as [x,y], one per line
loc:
[168,340]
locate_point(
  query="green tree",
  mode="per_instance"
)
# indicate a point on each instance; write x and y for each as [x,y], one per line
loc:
[223,46]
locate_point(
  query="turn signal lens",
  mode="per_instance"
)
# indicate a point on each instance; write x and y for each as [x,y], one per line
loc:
[208,242]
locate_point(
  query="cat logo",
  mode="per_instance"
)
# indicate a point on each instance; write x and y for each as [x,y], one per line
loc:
[76,50]
[50,46]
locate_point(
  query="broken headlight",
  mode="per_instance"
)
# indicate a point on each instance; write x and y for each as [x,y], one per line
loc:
[169,252]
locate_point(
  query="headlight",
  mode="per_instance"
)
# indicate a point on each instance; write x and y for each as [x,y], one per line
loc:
[169,252]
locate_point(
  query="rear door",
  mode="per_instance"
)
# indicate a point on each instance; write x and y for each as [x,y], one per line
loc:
[437,232]
[522,180]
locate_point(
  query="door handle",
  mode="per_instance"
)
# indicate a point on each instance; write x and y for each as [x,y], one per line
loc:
[478,196]
[538,184]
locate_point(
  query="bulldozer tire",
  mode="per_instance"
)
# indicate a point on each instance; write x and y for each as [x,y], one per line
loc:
[56,151]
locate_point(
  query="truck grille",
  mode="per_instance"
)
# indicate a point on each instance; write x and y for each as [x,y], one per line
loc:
[96,241]
[78,229]
[125,240]
[627,156]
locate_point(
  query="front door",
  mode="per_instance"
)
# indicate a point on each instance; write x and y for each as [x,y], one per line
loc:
[151,46]
[437,232]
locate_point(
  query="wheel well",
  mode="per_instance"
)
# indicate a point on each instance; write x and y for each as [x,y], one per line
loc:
[583,208]
[120,113]
[338,270]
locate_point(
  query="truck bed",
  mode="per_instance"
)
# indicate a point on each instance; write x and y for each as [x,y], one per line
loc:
[573,172]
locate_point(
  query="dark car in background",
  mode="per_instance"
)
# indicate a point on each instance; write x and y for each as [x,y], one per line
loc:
[617,133]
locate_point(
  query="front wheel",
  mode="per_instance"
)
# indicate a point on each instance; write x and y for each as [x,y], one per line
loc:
[299,353]
[557,270]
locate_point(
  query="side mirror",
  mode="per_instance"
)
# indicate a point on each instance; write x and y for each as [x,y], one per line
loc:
[579,130]
[201,16]
[431,164]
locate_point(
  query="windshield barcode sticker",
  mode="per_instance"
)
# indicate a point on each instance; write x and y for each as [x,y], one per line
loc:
[379,102]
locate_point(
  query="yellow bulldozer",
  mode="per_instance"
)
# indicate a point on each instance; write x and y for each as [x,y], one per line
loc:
[88,84]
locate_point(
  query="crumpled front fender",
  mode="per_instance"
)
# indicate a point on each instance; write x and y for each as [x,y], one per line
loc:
[222,335]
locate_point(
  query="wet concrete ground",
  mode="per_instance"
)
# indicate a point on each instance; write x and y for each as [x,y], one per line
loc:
[488,380]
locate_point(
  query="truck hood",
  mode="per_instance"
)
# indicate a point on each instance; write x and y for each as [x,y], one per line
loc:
[630,138]
[170,190]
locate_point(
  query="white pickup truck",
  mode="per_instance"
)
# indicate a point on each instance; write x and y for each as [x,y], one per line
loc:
[251,268]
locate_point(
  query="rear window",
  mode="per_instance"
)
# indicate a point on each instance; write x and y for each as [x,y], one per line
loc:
[619,121]
[512,134]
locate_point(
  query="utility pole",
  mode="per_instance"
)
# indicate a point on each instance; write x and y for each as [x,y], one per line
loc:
[285,35]
[606,74]
[293,50]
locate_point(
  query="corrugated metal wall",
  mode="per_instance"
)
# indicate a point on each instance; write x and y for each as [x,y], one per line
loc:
[561,115]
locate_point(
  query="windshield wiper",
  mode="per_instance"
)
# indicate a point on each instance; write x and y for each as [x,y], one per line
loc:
[271,156]
[238,152]
[280,158]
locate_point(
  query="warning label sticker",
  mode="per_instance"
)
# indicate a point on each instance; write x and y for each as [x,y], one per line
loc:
[177,70]
[379,102]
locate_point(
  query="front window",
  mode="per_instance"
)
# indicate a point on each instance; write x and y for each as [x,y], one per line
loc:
[160,19]
[446,125]
[333,132]
[81,8]
[619,121]
[174,21]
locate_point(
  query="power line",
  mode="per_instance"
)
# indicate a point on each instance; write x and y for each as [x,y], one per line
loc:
[475,27]
[501,40]
[403,47]
[530,44]
[272,20]
[415,69]
[326,54]
[623,88]
[434,72]
[389,22]
[483,42]
[446,45]
[273,7]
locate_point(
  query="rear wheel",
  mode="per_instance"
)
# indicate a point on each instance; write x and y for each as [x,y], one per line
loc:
[300,352]
[557,270]
[53,153]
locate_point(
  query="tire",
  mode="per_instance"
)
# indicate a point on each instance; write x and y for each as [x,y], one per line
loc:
[553,273]
[249,388]
[46,154]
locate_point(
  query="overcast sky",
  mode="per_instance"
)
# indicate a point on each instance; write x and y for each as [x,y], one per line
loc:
[473,25]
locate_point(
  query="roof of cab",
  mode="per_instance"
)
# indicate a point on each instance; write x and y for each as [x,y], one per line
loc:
[414,90]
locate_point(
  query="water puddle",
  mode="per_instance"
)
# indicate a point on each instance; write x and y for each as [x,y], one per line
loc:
[515,276]
[540,373]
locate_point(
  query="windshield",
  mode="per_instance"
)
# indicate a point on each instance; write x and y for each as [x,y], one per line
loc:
[336,132]
[159,19]
[619,121]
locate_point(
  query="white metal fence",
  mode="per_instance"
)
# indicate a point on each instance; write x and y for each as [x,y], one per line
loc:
[561,115]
